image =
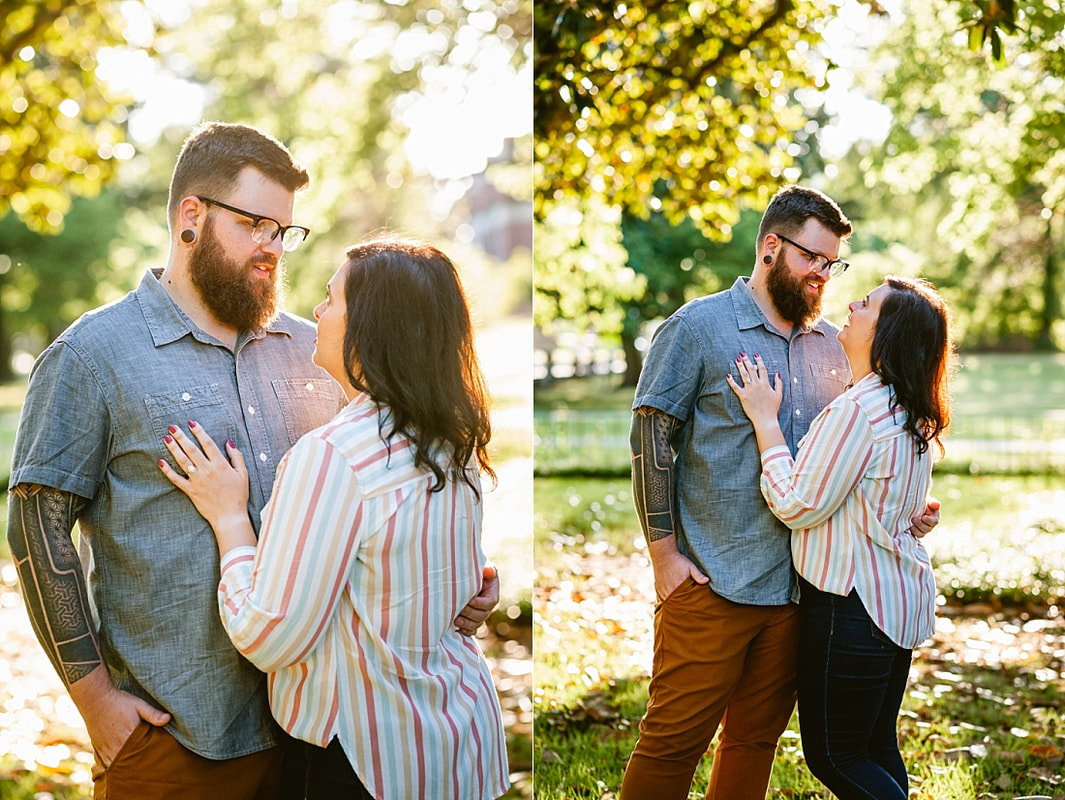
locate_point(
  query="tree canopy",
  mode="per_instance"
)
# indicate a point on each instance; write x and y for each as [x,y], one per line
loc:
[695,95]
[62,131]
[977,158]
[700,95]
[339,82]
[701,110]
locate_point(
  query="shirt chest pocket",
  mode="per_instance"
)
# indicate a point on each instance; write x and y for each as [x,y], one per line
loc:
[828,382]
[203,404]
[306,403]
[733,402]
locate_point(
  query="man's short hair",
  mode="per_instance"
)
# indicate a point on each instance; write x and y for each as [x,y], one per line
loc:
[792,205]
[214,154]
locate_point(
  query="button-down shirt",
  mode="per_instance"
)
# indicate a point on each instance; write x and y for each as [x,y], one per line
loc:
[722,523]
[849,495]
[348,603]
[99,402]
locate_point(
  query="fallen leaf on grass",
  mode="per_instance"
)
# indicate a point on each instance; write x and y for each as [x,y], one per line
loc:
[550,757]
[1046,751]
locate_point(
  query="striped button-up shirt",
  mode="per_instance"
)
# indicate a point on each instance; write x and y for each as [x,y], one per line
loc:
[348,602]
[849,496]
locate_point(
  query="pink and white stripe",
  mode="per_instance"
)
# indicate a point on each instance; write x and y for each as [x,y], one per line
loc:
[348,603]
[849,496]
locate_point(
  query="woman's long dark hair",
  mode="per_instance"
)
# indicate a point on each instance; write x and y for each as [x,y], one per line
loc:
[913,352]
[409,346]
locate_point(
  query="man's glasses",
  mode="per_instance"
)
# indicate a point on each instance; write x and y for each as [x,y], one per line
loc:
[265,230]
[818,261]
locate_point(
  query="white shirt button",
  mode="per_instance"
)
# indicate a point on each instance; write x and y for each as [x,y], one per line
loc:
[795,380]
[262,456]
[251,410]
[798,412]
[186,397]
[309,387]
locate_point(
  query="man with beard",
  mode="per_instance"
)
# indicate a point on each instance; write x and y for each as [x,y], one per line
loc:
[132,627]
[726,624]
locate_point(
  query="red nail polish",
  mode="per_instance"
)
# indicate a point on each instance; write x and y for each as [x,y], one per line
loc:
[229,443]
[172,428]
[161,463]
[168,439]
[192,424]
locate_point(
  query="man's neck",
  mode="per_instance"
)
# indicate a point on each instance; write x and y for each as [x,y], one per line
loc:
[186,297]
[761,297]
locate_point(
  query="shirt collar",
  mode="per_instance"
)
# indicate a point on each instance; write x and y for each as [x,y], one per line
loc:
[167,322]
[749,315]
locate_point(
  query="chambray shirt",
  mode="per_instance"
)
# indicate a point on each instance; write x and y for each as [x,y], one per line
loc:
[348,603]
[99,402]
[722,522]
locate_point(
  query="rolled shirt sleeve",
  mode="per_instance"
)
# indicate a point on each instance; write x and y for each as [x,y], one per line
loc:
[276,600]
[832,459]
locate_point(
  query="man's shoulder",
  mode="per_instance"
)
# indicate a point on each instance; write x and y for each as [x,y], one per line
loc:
[826,327]
[709,303]
[100,324]
[705,310]
[294,325]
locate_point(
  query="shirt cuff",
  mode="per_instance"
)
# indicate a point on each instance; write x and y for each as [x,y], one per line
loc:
[236,556]
[775,452]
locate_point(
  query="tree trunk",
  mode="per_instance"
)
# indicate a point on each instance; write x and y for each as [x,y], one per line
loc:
[1051,312]
[6,372]
[633,362]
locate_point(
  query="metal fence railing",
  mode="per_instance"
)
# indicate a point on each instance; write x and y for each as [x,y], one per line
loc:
[598,442]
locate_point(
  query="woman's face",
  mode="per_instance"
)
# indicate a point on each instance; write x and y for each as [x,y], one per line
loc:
[857,334]
[332,316]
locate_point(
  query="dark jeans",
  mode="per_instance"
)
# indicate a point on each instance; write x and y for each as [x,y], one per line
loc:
[309,772]
[851,682]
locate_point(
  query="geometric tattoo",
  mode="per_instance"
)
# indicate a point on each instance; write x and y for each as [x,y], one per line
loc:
[40,520]
[653,471]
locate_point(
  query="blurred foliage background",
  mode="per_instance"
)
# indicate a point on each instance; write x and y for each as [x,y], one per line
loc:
[402,112]
[663,127]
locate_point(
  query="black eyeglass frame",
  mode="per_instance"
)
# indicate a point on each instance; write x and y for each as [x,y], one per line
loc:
[836,266]
[256,219]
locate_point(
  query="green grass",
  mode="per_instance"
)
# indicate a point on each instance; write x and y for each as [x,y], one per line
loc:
[1008,417]
[982,716]
[996,383]
[992,383]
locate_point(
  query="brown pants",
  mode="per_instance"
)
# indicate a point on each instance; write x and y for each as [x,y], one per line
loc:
[715,661]
[153,765]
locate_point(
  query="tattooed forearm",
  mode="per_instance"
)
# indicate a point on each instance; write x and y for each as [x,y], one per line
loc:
[652,471]
[40,520]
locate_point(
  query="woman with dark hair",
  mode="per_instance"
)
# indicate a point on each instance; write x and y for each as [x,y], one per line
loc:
[370,546]
[861,473]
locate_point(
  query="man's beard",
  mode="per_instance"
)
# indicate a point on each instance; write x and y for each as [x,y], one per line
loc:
[233,293]
[790,297]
